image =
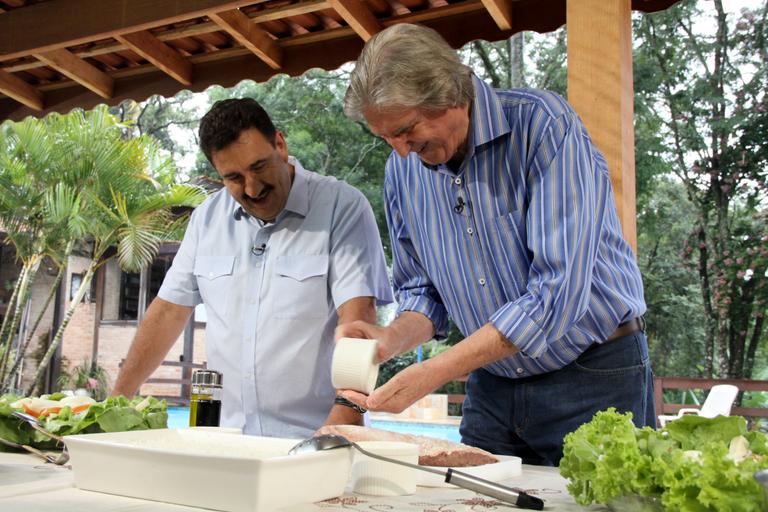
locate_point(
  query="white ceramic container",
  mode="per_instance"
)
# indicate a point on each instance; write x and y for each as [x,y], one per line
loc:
[379,478]
[354,366]
[214,470]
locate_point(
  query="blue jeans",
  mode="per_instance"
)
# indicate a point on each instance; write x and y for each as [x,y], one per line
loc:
[529,417]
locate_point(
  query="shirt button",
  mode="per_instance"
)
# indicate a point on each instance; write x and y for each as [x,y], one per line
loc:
[481,281]
[470,231]
[519,370]
[210,274]
[457,181]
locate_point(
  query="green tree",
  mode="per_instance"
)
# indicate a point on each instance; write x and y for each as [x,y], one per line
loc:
[707,89]
[124,195]
[34,176]
[675,331]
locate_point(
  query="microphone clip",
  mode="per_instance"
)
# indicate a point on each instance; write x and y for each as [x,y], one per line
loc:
[459,208]
[258,250]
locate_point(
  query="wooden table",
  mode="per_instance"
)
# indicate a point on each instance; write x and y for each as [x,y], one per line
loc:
[27,484]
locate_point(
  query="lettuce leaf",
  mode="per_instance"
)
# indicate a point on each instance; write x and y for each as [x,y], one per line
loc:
[115,414]
[609,458]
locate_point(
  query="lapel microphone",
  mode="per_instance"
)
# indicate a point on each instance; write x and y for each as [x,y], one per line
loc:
[459,205]
[258,250]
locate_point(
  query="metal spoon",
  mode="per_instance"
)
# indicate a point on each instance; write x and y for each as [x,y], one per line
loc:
[516,497]
[63,458]
[34,451]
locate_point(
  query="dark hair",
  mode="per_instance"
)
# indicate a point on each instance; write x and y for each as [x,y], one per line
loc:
[227,119]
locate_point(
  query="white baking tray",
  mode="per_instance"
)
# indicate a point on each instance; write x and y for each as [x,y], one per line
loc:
[208,469]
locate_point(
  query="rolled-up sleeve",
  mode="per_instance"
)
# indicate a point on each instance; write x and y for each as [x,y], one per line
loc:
[414,290]
[357,267]
[562,235]
[180,283]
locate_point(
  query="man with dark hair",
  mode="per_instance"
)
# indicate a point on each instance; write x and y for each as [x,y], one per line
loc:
[279,258]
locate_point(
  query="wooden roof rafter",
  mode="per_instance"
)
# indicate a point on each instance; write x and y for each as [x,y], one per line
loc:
[79,70]
[158,53]
[250,36]
[54,54]
[501,12]
[358,16]
[20,91]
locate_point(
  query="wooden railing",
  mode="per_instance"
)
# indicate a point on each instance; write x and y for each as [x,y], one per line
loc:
[685,383]
[184,382]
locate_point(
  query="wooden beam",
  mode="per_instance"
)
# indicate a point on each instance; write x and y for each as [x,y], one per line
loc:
[257,40]
[79,70]
[21,91]
[601,90]
[358,16]
[501,12]
[60,24]
[424,16]
[160,54]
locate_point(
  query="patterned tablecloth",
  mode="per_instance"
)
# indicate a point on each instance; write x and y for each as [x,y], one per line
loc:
[26,485]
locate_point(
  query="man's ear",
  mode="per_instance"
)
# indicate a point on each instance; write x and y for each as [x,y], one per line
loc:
[281,146]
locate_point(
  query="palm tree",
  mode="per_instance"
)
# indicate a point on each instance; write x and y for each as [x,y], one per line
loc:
[26,167]
[124,198]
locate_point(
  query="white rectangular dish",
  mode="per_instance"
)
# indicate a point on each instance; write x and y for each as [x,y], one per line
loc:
[215,470]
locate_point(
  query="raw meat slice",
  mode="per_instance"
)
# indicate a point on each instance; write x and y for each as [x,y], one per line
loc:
[432,452]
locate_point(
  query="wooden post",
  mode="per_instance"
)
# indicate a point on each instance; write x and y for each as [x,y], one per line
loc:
[600,89]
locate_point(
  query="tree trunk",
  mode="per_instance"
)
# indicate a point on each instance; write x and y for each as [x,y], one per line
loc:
[488,64]
[21,300]
[706,298]
[516,60]
[11,306]
[23,350]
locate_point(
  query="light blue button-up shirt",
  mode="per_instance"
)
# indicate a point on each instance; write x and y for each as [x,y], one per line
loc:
[525,235]
[271,292]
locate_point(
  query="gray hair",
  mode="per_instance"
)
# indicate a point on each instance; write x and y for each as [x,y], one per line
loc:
[407,66]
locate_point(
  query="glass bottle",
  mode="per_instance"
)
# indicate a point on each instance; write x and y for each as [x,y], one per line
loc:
[205,400]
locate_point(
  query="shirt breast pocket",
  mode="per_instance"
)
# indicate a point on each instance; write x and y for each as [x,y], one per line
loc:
[214,279]
[301,286]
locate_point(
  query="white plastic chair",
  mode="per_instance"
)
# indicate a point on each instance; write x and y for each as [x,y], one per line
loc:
[718,403]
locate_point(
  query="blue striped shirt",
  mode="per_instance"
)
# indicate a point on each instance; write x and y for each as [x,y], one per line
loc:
[537,250]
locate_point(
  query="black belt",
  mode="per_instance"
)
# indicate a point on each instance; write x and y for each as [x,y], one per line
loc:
[627,328]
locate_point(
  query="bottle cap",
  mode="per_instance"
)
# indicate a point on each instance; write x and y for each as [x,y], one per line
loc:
[206,378]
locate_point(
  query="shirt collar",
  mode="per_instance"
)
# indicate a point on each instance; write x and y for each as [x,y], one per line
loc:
[487,121]
[298,197]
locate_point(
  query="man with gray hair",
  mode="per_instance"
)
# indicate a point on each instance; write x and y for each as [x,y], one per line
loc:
[502,218]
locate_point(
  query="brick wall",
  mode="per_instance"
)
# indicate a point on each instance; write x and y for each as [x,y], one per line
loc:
[115,340]
[77,343]
[9,272]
